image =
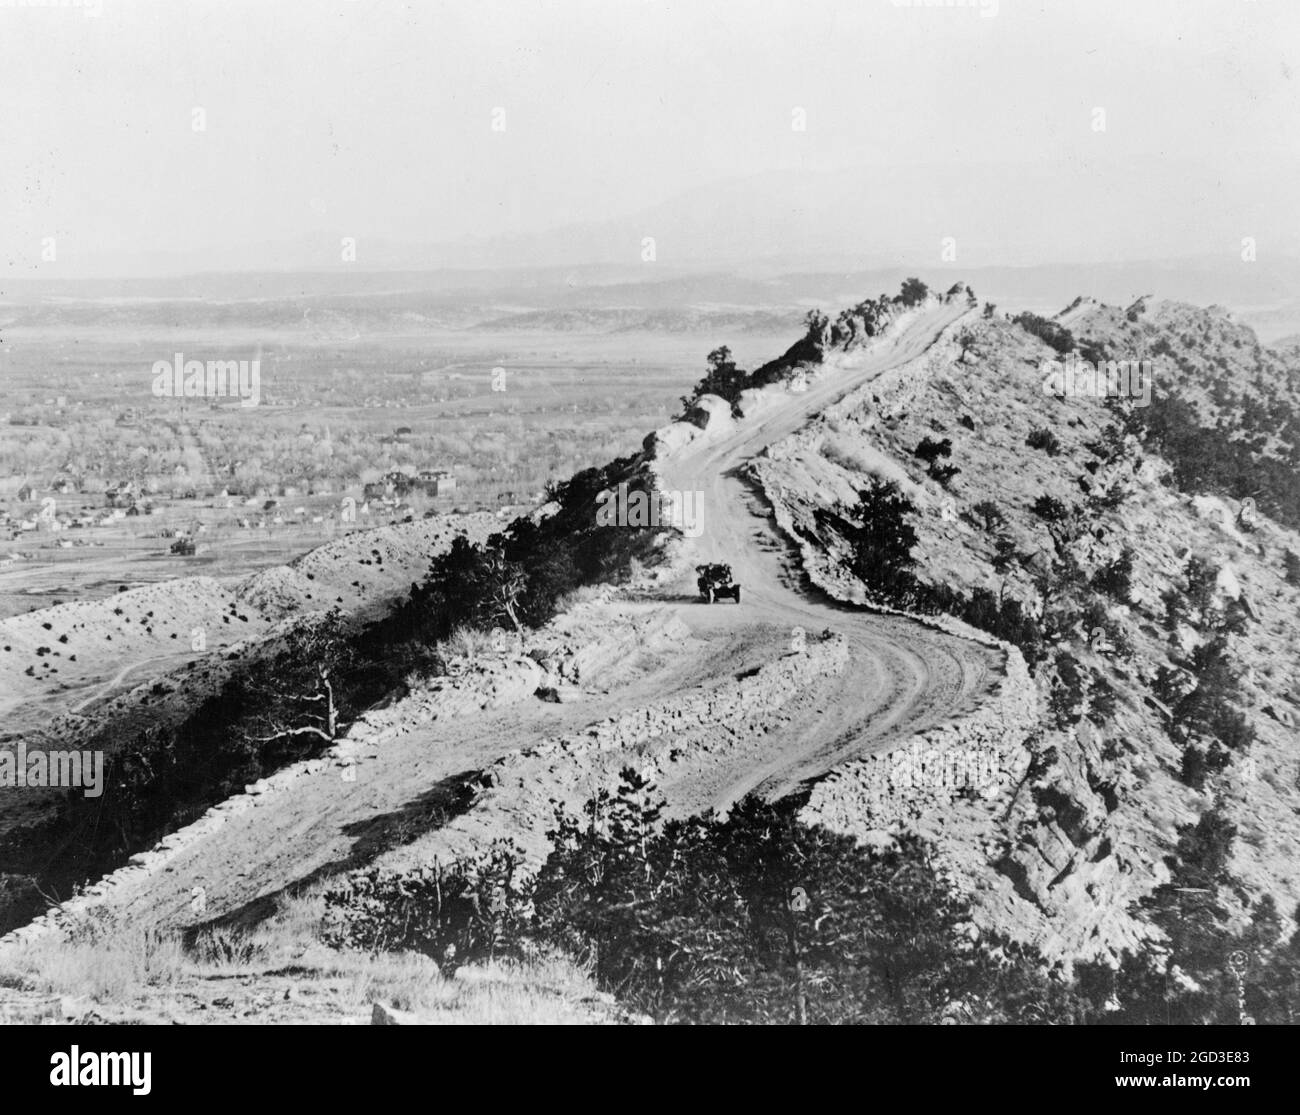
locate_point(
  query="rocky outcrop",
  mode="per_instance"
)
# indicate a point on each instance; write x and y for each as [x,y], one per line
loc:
[707,417]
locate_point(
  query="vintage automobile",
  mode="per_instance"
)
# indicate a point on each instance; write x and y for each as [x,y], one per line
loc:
[715,583]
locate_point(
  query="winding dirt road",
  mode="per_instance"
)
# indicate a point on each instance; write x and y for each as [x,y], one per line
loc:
[902,677]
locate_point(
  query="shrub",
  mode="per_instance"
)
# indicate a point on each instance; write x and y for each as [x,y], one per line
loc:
[723,379]
[1050,509]
[1200,762]
[913,293]
[1093,352]
[463,913]
[1291,563]
[880,537]
[1066,697]
[1004,618]
[466,642]
[929,450]
[1044,439]
[1049,332]
[942,474]
[881,541]
[1004,554]
[1194,603]
[988,515]
[1102,699]
[1190,911]
[693,921]
[1115,578]
[1224,458]
[1205,718]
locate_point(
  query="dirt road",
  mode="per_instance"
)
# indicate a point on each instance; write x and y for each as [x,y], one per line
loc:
[902,677]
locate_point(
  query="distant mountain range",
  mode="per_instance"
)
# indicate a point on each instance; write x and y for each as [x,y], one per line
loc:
[607,298]
[776,243]
[1100,210]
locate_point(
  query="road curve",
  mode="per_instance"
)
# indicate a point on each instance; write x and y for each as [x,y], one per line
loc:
[903,675]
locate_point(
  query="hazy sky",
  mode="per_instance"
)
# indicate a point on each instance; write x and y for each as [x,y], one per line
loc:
[374,118]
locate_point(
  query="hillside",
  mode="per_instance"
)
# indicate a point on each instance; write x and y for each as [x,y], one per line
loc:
[947,571]
[1085,836]
[105,669]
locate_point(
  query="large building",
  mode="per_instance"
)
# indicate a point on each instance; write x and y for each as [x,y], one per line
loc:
[436,483]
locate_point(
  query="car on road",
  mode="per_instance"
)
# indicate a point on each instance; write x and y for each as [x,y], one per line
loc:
[714,582]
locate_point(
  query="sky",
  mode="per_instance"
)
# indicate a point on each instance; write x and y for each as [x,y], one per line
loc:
[194,130]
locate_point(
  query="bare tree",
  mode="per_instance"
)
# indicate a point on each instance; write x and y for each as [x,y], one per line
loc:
[505,582]
[302,700]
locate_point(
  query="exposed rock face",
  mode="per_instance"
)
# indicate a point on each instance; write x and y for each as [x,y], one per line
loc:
[711,414]
[670,439]
[708,417]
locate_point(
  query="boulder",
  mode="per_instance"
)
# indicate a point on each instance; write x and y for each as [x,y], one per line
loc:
[383,1015]
[668,440]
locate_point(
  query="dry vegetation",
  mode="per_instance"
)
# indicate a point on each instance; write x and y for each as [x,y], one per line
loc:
[279,971]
